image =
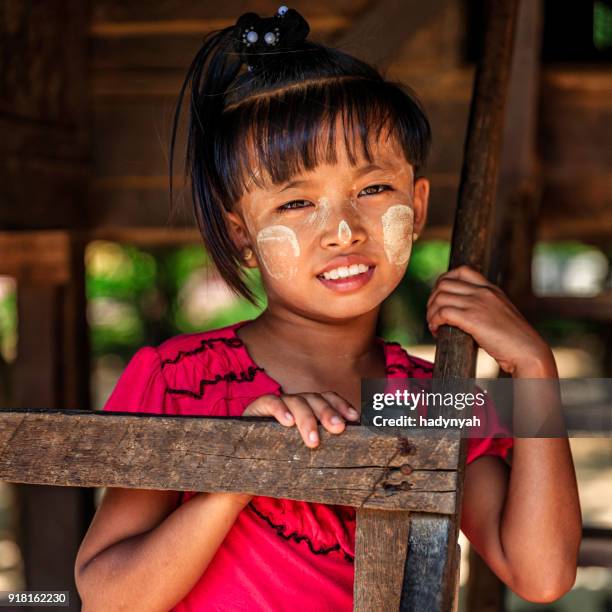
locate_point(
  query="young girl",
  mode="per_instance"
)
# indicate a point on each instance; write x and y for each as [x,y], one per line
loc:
[305,163]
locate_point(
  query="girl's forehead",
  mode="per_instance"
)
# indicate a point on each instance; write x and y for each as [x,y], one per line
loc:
[385,154]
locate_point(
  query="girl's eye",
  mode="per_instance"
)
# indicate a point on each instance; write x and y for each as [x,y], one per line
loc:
[296,204]
[385,188]
[292,205]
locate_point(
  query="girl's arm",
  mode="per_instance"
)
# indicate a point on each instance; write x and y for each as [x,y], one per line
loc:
[524,522]
[139,554]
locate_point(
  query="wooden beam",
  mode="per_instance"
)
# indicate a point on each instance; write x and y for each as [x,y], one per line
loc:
[427,570]
[485,591]
[41,258]
[593,308]
[595,547]
[123,29]
[381,537]
[148,236]
[361,468]
[167,35]
[519,191]
[120,11]
[377,35]
[52,520]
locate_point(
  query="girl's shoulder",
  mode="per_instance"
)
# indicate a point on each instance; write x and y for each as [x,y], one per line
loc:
[184,374]
[401,364]
[213,351]
[184,346]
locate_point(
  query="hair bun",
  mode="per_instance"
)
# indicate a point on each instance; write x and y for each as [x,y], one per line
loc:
[255,36]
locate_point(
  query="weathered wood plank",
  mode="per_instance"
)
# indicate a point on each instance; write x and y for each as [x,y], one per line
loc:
[123,11]
[376,35]
[485,591]
[427,571]
[50,371]
[198,27]
[595,547]
[359,468]
[456,577]
[148,235]
[520,182]
[381,538]
[167,35]
[36,257]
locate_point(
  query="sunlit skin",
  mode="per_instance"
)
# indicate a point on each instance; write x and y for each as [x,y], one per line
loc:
[525,522]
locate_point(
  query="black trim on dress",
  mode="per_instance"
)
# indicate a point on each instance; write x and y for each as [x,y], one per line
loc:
[237,377]
[280,530]
[205,344]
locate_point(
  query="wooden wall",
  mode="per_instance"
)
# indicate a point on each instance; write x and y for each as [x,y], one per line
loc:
[44,173]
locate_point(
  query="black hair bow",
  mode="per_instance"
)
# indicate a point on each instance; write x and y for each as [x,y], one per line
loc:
[255,36]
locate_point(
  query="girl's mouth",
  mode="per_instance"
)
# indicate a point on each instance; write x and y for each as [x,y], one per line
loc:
[347,278]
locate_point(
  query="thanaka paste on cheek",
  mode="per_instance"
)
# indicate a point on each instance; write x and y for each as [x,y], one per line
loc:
[279,249]
[397,224]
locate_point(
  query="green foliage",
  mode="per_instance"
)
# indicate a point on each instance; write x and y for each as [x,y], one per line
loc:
[8,324]
[403,313]
[139,296]
[429,260]
[602,25]
[118,271]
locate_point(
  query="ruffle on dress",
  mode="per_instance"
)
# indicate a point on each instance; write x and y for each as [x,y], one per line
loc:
[323,528]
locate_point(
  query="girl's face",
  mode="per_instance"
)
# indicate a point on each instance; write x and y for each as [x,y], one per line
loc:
[333,243]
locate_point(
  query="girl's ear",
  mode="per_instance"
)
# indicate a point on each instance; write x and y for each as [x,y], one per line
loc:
[240,237]
[420,202]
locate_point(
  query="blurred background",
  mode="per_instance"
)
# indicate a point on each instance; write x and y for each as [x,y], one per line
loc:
[93,265]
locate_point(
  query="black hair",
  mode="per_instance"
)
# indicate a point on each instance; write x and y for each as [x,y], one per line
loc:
[277,111]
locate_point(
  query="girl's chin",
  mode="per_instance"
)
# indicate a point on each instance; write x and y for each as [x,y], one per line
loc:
[348,305]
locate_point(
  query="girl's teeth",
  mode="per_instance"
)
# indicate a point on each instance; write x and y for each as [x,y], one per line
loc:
[345,271]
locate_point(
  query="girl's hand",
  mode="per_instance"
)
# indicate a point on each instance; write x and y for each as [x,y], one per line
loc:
[304,410]
[464,298]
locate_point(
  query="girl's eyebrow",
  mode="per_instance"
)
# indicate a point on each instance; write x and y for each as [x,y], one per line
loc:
[358,173]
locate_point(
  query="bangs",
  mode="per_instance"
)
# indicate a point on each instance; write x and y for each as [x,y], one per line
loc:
[269,139]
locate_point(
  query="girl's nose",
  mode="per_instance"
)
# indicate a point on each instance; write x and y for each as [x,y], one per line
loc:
[343,232]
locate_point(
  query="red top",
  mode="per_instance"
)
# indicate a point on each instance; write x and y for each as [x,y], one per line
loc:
[280,554]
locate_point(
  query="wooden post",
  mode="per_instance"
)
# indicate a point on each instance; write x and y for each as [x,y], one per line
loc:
[514,234]
[432,551]
[51,370]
